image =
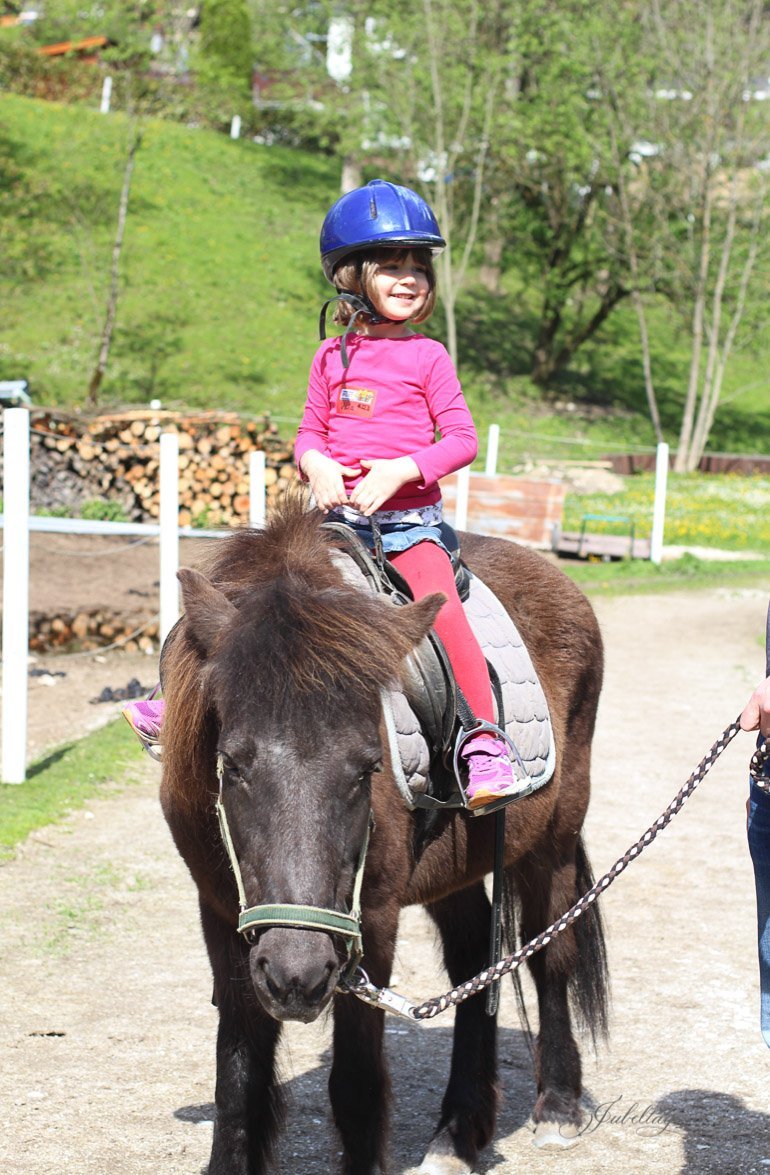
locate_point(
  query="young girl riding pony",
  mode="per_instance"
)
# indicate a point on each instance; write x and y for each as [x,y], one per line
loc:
[367,442]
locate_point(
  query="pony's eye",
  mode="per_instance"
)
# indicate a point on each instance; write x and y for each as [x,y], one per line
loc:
[231,769]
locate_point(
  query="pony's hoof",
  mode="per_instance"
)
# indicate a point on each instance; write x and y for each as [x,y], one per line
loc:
[556,1135]
[443,1165]
[442,1160]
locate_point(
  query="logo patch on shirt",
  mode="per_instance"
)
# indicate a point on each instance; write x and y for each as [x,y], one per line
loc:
[356,402]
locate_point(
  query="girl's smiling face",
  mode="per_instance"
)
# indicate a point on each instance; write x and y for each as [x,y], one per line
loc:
[400,288]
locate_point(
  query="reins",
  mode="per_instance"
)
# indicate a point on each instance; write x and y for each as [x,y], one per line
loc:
[360,985]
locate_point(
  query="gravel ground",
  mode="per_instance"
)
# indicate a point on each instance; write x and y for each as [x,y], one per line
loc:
[107,1028]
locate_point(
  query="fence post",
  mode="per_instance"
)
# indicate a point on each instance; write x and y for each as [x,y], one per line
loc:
[15,592]
[493,441]
[659,506]
[104,105]
[169,532]
[257,487]
[461,500]
[235,127]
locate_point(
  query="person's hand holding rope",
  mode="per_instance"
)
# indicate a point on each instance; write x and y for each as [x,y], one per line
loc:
[756,713]
[756,716]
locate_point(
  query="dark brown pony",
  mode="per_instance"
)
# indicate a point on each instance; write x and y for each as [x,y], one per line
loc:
[277,667]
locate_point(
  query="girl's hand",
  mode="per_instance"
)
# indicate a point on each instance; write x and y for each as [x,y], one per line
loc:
[325,477]
[756,714]
[382,481]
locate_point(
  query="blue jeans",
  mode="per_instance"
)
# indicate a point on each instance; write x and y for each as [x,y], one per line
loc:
[759,847]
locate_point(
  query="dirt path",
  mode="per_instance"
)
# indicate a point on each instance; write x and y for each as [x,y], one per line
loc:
[108,1033]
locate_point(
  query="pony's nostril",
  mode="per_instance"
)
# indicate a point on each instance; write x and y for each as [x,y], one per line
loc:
[321,988]
[270,983]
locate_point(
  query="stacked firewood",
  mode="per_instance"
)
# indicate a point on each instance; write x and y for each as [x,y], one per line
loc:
[118,458]
[92,628]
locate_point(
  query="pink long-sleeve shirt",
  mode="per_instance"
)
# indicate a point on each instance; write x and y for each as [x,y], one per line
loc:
[390,402]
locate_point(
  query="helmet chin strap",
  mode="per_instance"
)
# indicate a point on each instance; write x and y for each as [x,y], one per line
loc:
[361,305]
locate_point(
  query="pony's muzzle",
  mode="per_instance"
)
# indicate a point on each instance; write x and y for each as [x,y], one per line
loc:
[294,972]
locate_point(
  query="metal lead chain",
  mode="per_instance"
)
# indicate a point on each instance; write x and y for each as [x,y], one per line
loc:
[390,1001]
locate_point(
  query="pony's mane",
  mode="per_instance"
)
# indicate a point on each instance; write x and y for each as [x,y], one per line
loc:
[306,635]
[293,542]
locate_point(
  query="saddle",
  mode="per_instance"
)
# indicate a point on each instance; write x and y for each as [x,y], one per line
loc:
[429,683]
[424,718]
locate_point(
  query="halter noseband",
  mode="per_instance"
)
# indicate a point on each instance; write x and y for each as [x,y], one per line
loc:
[254,918]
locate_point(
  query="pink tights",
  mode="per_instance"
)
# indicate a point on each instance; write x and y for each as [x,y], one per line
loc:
[427,568]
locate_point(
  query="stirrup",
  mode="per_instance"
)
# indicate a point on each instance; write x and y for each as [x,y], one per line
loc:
[463,736]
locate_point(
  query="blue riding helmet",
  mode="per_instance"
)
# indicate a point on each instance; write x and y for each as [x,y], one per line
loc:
[380,213]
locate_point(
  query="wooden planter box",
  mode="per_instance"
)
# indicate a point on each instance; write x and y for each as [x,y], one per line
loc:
[520,508]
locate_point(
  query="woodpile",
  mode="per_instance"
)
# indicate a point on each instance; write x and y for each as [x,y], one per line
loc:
[89,629]
[113,461]
[117,458]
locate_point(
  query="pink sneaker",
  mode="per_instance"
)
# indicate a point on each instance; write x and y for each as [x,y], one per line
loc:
[490,772]
[146,718]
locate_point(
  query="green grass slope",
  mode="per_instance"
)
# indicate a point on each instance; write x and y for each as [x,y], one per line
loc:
[220,290]
[219,280]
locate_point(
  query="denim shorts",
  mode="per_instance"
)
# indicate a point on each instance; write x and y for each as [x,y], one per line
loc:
[400,536]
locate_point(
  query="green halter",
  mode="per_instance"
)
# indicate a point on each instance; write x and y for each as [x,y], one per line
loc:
[348,926]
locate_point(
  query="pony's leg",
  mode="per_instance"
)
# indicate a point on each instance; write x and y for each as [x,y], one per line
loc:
[249,1106]
[574,958]
[359,1084]
[469,1107]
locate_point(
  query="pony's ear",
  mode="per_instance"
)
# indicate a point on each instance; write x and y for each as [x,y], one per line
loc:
[414,621]
[209,612]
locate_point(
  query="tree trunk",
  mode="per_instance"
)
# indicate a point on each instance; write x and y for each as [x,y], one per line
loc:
[489,273]
[701,430]
[543,360]
[720,358]
[449,298]
[633,261]
[682,461]
[112,301]
[682,458]
[547,361]
[351,174]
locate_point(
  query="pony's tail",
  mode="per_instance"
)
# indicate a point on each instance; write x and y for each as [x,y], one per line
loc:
[590,986]
[589,980]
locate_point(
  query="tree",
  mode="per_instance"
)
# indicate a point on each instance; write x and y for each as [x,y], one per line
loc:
[704,191]
[491,111]
[111,309]
[226,52]
[420,98]
[604,151]
[552,174]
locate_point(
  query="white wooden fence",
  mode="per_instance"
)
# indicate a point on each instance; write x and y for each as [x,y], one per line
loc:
[17,524]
